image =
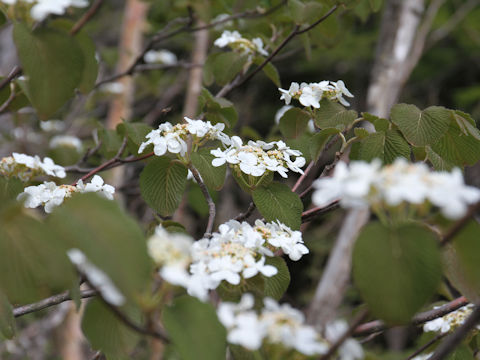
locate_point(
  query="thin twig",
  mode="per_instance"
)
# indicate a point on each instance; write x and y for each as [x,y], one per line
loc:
[208,198]
[17,70]
[295,31]
[7,103]
[105,165]
[247,213]
[460,224]
[378,326]
[307,215]
[356,321]
[86,17]
[51,301]
[454,339]
[426,346]
[302,178]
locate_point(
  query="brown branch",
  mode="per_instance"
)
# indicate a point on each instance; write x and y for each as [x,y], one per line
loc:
[164,34]
[16,71]
[307,215]
[7,103]
[51,301]
[426,346]
[301,179]
[86,17]
[247,213]
[104,166]
[460,224]
[454,339]
[208,198]
[238,81]
[378,326]
[358,319]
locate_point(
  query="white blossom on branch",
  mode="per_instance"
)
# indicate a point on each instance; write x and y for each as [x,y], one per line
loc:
[51,195]
[235,40]
[362,184]
[311,94]
[26,167]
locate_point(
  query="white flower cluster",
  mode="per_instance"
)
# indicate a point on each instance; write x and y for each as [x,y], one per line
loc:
[362,184]
[42,8]
[26,167]
[68,141]
[280,324]
[311,94]
[449,322]
[160,57]
[173,138]
[52,125]
[96,277]
[235,40]
[237,251]
[257,157]
[51,195]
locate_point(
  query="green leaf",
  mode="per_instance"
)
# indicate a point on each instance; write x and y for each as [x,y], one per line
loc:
[319,140]
[269,70]
[421,128]
[462,352]
[136,133]
[109,238]
[376,5]
[456,148]
[90,70]
[466,261]
[9,189]
[333,115]
[386,146]
[466,123]
[214,177]
[225,66]
[437,161]
[294,122]
[277,285]
[302,143]
[195,329]
[217,109]
[277,202]
[34,264]
[397,269]
[162,184]
[54,64]
[304,12]
[111,142]
[380,124]
[3,18]
[7,320]
[107,333]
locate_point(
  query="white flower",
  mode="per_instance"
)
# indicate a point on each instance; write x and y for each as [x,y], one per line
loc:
[174,138]
[97,278]
[160,56]
[363,184]
[309,97]
[242,323]
[235,40]
[66,141]
[26,167]
[257,157]
[350,348]
[96,185]
[292,92]
[451,321]
[50,195]
[311,94]
[339,90]
[43,8]
[52,125]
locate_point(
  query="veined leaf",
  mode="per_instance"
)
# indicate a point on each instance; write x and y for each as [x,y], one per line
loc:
[162,184]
